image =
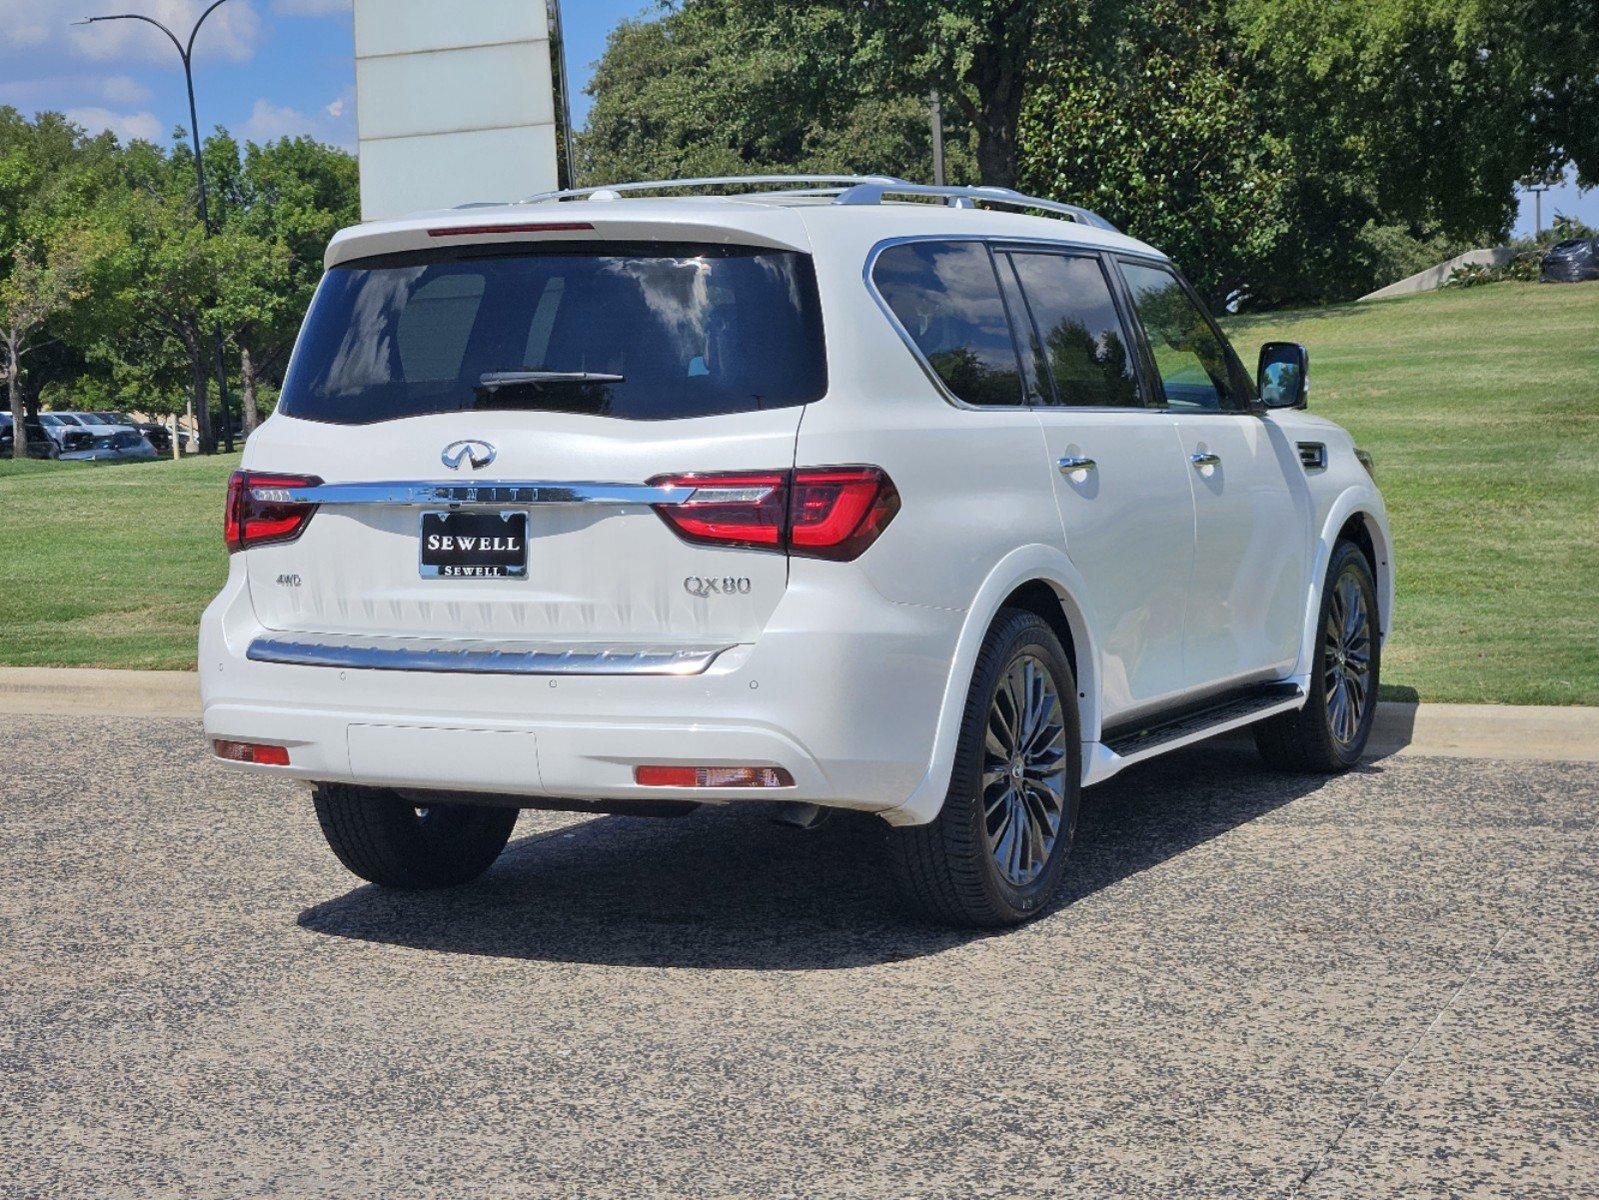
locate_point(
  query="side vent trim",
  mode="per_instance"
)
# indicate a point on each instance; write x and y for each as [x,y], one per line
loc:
[1313,456]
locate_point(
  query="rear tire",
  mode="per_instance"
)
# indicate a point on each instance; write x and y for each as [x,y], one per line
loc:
[996,853]
[1328,735]
[391,842]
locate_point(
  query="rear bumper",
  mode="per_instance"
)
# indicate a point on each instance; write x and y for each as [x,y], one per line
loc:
[842,690]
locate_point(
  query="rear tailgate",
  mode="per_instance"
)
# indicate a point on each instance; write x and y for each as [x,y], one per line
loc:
[576,369]
[596,570]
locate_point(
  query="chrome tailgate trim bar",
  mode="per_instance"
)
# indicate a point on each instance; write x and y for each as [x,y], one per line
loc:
[421,493]
[456,656]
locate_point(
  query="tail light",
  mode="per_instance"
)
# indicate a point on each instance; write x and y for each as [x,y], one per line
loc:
[251,752]
[817,512]
[260,509]
[710,777]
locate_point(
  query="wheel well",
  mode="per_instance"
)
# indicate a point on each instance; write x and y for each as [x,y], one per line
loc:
[1039,598]
[1355,530]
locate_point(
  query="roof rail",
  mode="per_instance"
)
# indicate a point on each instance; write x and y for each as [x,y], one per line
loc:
[845,189]
[839,183]
[873,191]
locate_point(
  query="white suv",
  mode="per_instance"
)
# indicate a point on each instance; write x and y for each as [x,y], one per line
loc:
[857,494]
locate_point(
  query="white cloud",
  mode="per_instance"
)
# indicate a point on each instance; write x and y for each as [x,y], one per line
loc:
[47,91]
[123,89]
[232,32]
[310,8]
[126,126]
[268,122]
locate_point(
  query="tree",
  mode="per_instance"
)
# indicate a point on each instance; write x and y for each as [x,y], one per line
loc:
[1415,115]
[720,87]
[51,177]
[47,274]
[279,208]
[167,286]
[1151,124]
[978,53]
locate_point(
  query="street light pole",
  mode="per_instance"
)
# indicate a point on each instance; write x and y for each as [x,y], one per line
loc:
[1537,190]
[569,154]
[186,53]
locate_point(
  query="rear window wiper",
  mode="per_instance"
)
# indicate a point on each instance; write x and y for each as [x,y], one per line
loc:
[493,380]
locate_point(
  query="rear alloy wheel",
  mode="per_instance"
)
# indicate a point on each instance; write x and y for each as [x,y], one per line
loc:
[387,840]
[1329,733]
[996,853]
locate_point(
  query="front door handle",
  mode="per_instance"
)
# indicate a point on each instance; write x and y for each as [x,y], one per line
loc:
[1073,463]
[1204,458]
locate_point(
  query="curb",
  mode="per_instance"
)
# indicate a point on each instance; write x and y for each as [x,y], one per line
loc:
[1499,731]
[96,692]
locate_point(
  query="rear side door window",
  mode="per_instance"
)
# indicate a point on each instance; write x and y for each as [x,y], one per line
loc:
[1192,360]
[947,297]
[1085,349]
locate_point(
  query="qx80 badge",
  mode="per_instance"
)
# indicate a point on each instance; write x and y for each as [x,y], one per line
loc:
[728,585]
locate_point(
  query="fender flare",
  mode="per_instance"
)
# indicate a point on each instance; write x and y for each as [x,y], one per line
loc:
[1024,565]
[1367,502]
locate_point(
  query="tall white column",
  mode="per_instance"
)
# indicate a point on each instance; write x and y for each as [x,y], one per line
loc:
[454,103]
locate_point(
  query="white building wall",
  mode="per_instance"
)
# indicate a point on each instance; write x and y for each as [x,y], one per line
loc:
[454,103]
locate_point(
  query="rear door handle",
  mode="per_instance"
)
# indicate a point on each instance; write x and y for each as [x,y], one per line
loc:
[1205,459]
[1076,462]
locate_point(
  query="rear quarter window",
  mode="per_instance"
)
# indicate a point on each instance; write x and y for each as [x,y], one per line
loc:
[946,296]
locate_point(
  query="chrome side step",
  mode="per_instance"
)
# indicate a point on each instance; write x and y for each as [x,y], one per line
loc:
[456,656]
[1194,725]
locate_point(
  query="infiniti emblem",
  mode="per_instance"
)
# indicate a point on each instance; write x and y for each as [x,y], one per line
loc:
[469,451]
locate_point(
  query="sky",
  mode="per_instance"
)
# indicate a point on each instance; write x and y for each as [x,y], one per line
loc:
[270,68]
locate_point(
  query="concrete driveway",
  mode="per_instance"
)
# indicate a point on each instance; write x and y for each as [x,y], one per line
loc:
[1385,984]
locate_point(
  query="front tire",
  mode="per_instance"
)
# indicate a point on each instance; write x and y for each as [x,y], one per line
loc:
[996,853]
[391,842]
[1328,735]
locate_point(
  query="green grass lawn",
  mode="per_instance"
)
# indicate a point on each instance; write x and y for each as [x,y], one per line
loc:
[108,566]
[1480,405]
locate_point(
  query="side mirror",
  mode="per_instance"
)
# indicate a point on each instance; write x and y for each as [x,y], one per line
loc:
[1283,377]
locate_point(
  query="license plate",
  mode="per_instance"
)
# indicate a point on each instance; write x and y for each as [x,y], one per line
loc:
[474,545]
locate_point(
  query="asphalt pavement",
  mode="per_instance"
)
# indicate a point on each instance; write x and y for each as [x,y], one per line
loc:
[1384,984]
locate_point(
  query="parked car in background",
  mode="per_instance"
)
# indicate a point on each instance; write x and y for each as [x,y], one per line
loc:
[158,436]
[1575,260]
[65,431]
[40,444]
[96,423]
[925,510]
[125,445]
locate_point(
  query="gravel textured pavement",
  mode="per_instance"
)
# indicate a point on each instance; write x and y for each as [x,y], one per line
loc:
[1385,984]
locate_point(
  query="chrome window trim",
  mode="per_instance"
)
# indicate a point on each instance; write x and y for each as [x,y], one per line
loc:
[475,657]
[491,493]
[994,243]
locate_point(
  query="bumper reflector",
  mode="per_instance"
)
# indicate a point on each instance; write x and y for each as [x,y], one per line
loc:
[712,777]
[251,752]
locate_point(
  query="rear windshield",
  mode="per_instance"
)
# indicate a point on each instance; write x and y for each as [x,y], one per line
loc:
[636,331]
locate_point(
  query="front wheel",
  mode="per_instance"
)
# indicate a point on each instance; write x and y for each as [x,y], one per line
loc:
[1329,733]
[391,842]
[996,853]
